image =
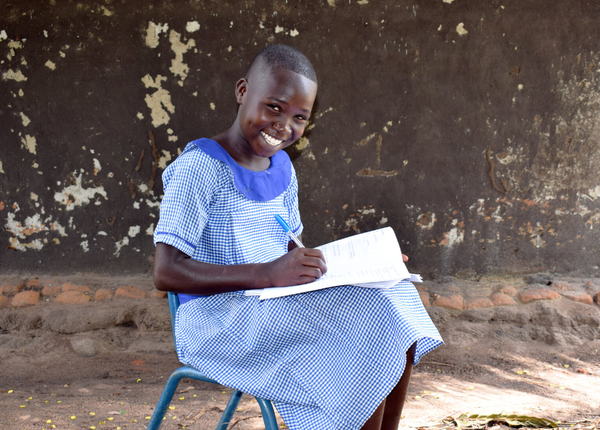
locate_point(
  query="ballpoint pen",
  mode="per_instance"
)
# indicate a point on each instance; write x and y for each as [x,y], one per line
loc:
[288,231]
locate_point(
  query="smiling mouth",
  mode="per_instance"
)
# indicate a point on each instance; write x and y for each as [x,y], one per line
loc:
[270,139]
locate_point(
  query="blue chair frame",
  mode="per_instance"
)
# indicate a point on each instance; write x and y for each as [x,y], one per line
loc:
[189,372]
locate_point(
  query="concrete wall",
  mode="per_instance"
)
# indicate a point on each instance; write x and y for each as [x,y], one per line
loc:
[470,127]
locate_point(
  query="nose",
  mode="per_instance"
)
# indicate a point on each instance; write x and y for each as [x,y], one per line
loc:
[283,126]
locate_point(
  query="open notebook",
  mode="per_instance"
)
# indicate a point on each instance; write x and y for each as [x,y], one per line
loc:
[370,260]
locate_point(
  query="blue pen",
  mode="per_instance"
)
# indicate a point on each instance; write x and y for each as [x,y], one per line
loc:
[288,231]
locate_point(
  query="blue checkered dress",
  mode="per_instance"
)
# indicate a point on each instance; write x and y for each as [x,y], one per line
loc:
[326,359]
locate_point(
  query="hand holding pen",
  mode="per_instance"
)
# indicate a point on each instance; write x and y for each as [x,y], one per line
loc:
[298,266]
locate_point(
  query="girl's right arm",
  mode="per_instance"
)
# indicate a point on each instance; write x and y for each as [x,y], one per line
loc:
[175,271]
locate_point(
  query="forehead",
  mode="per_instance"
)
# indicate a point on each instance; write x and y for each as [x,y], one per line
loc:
[282,84]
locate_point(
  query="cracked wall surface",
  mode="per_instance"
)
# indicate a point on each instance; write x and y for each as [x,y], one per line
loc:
[472,128]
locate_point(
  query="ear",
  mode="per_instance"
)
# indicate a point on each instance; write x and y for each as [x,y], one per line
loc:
[241,88]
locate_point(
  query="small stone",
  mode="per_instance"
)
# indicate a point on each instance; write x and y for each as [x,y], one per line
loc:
[103,294]
[478,303]
[25,298]
[67,286]
[584,371]
[72,297]
[84,347]
[11,288]
[130,293]
[4,302]
[509,289]
[158,294]
[50,290]
[501,299]
[578,297]
[454,302]
[562,286]
[424,298]
[538,294]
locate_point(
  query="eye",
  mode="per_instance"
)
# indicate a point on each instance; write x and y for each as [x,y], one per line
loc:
[302,117]
[275,108]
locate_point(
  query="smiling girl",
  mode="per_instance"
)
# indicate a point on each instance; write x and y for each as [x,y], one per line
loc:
[338,358]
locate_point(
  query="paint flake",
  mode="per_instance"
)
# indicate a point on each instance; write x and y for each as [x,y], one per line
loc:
[460,29]
[30,143]
[279,29]
[76,195]
[25,119]
[120,244]
[158,100]
[1,170]
[15,76]
[294,33]
[134,231]
[166,157]
[302,143]
[178,67]
[49,64]
[153,32]
[97,166]
[3,35]
[192,26]
[150,230]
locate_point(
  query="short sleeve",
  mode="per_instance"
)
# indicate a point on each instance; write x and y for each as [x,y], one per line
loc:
[189,184]
[291,203]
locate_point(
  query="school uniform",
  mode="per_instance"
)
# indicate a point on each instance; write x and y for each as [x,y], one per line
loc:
[326,359]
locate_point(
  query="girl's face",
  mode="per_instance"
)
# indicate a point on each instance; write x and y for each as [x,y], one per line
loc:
[274,109]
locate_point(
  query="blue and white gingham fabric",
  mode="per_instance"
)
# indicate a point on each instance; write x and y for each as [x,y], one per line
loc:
[326,359]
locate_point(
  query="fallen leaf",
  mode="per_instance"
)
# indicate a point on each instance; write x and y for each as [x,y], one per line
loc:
[186,390]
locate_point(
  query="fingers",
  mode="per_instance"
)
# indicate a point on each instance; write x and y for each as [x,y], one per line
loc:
[404,258]
[314,259]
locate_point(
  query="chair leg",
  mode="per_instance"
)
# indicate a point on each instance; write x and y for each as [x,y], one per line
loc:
[232,405]
[165,400]
[268,414]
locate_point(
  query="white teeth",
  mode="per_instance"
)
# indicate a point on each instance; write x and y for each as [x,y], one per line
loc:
[270,139]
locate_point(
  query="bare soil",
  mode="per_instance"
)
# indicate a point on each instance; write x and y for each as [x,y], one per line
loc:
[540,359]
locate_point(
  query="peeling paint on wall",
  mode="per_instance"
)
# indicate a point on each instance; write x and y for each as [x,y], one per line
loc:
[15,76]
[25,119]
[76,195]
[192,26]
[454,236]
[178,67]
[158,101]
[153,32]
[29,142]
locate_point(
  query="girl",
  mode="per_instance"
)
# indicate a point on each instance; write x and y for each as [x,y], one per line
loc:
[338,358]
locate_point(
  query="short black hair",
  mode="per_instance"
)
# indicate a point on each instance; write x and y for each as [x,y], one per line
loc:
[274,57]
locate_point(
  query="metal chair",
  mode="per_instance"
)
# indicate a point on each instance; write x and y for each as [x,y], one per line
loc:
[189,372]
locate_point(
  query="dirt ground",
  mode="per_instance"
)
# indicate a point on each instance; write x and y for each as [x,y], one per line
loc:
[111,378]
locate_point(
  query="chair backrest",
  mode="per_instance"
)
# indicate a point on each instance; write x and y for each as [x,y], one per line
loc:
[173,306]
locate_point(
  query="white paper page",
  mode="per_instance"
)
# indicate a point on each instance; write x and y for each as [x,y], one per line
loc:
[369,257]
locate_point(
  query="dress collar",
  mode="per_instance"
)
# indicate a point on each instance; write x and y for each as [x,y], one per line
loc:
[259,186]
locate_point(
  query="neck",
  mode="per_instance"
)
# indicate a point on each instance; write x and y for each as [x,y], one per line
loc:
[236,146]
